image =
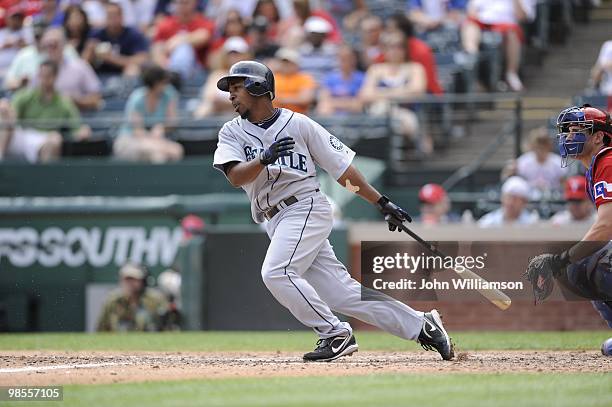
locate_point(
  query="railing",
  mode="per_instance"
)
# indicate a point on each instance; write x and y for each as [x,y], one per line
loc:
[457,116]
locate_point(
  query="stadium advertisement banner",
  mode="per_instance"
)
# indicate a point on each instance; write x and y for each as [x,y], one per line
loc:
[482,271]
[100,244]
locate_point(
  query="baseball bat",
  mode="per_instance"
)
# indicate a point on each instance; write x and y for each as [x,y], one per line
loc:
[498,298]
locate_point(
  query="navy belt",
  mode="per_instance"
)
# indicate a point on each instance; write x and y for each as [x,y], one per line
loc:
[270,213]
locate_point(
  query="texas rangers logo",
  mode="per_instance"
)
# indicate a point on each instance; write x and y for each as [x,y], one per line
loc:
[603,190]
[335,143]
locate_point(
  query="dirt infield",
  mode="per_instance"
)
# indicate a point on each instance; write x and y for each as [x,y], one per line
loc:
[46,368]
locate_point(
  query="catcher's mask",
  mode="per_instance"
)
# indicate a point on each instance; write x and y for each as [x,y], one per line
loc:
[575,124]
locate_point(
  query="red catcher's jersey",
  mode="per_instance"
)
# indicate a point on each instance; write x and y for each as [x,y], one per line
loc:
[599,177]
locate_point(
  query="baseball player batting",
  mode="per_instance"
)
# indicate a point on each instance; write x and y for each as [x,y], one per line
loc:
[271,153]
[585,134]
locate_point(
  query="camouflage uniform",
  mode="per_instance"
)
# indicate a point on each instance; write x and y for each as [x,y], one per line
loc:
[149,314]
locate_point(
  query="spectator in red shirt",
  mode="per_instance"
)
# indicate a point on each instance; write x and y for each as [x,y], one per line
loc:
[181,40]
[418,51]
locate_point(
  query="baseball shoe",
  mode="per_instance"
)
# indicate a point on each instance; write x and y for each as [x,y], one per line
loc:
[329,349]
[434,336]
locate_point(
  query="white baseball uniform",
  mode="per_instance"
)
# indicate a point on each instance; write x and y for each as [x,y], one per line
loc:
[300,268]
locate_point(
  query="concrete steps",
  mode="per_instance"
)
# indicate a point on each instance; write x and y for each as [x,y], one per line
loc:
[549,88]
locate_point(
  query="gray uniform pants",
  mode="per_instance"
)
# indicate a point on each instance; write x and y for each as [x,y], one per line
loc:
[303,273]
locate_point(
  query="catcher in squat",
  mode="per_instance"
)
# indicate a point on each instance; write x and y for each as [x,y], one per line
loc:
[271,154]
[585,134]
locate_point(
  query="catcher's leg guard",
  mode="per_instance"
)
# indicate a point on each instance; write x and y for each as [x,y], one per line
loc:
[605,310]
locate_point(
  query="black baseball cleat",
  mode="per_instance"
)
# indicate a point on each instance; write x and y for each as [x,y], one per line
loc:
[434,336]
[329,349]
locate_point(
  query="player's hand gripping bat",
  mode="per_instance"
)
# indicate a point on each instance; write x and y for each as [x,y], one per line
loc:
[498,298]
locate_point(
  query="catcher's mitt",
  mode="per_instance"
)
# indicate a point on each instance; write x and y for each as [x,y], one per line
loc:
[541,272]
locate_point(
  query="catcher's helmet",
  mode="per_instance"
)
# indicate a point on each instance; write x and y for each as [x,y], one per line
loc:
[587,118]
[258,78]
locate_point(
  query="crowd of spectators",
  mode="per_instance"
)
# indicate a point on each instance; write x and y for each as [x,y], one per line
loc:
[58,59]
[516,206]
[330,57]
[535,188]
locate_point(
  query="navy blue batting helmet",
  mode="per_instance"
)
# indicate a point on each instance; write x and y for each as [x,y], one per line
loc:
[258,78]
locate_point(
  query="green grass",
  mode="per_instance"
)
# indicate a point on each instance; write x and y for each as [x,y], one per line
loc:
[454,390]
[291,341]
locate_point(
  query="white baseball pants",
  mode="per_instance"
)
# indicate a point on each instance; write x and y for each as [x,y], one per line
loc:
[303,273]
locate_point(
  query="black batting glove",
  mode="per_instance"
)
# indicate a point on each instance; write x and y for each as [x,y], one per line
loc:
[280,148]
[393,214]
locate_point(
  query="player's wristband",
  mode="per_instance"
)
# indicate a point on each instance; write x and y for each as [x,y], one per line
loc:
[382,201]
[264,159]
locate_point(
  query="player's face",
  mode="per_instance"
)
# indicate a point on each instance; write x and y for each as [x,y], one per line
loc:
[573,131]
[513,205]
[46,78]
[395,51]
[240,98]
[580,209]
[131,286]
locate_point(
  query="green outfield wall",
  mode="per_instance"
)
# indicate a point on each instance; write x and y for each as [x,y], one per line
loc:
[59,256]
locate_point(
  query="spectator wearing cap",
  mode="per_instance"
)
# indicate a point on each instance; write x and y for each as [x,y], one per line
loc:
[318,55]
[263,48]
[116,49]
[213,101]
[181,41]
[292,32]
[295,90]
[340,89]
[578,206]
[133,306]
[540,167]
[601,73]
[150,112]
[504,17]
[435,205]
[513,211]
[13,37]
